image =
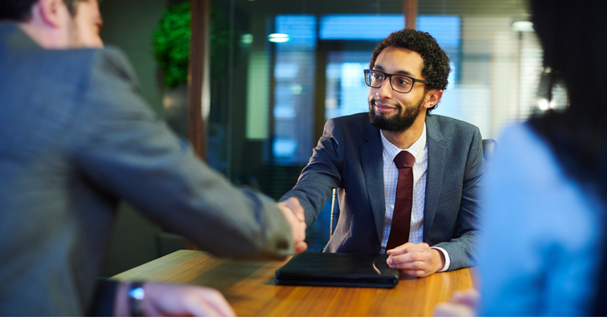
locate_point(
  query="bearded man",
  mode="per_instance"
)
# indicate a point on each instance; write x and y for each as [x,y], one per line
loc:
[408,182]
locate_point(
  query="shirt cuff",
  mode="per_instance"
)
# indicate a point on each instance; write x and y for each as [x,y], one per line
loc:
[447,259]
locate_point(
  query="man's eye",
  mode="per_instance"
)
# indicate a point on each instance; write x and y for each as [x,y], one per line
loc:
[403,81]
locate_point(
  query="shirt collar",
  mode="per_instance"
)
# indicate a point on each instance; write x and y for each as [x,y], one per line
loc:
[416,148]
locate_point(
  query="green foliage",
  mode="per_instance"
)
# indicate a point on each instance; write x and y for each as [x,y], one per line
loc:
[172,44]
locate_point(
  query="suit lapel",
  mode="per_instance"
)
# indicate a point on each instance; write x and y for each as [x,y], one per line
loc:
[372,164]
[434,175]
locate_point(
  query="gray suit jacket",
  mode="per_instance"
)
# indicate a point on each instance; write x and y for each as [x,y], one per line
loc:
[349,157]
[75,137]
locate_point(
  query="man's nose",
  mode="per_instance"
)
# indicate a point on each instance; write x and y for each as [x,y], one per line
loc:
[385,91]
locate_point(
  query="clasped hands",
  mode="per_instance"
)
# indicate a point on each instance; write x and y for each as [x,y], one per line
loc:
[418,260]
[294,213]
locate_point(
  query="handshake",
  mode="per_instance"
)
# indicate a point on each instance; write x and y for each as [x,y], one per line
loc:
[182,300]
[294,213]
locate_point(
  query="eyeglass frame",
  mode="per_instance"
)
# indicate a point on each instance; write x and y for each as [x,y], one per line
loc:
[389,76]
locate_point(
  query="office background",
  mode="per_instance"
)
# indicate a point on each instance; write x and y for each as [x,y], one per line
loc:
[279,69]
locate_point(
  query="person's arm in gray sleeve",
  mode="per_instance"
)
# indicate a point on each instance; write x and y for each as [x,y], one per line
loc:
[128,152]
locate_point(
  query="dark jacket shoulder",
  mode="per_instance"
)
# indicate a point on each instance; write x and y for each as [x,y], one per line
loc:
[449,123]
[441,127]
[353,126]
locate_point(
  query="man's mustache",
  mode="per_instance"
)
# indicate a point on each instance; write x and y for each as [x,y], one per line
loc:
[375,100]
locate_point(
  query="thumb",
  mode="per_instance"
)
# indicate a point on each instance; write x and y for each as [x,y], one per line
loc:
[293,204]
[300,247]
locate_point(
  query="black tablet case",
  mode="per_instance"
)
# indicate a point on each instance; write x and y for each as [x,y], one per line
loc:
[338,269]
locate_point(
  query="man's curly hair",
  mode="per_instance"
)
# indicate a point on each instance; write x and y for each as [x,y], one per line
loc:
[436,62]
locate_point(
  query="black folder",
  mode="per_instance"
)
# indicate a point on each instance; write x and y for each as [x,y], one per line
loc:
[338,269]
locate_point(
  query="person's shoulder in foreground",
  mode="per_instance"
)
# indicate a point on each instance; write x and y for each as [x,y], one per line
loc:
[539,220]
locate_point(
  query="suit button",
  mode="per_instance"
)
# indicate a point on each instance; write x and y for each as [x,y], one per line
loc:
[377,247]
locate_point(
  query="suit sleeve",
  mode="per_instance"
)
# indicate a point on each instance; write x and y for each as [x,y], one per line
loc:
[128,153]
[322,174]
[463,248]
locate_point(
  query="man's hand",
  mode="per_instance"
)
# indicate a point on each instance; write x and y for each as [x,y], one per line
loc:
[462,304]
[416,259]
[294,213]
[162,300]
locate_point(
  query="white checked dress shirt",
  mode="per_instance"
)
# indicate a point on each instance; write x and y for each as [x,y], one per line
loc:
[419,150]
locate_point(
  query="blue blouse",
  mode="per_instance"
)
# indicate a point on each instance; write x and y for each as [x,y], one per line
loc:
[541,236]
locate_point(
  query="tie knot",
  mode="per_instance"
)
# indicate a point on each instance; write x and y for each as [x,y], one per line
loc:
[404,159]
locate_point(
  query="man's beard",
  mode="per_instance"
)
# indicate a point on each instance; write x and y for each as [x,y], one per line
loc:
[397,123]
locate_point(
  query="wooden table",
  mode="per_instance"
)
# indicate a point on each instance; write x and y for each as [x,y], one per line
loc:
[249,287]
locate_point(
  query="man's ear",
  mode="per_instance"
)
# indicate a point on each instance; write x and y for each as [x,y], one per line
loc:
[432,98]
[51,12]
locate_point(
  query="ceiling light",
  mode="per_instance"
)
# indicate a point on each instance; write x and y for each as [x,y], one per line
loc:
[523,26]
[246,38]
[278,37]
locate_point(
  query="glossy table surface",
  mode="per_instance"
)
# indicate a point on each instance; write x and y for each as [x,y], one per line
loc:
[249,287]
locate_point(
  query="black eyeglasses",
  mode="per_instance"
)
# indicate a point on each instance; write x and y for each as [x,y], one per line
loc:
[400,83]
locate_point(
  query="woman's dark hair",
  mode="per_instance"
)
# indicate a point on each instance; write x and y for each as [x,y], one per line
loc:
[21,10]
[574,37]
[436,62]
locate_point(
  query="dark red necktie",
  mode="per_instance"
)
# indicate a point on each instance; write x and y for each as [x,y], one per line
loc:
[401,218]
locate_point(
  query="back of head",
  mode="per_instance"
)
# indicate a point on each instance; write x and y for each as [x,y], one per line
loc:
[436,62]
[574,38]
